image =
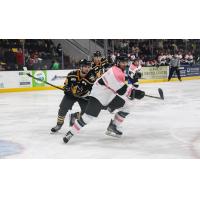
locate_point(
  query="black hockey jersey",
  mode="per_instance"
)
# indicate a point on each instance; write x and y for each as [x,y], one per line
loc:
[77,85]
[100,68]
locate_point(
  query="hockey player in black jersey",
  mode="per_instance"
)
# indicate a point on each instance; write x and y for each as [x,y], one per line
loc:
[78,85]
[99,66]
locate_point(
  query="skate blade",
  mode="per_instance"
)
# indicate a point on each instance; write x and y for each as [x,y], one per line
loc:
[55,133]
[112,134]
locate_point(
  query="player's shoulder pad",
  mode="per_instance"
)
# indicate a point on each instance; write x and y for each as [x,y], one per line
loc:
[91,77]
[73,73]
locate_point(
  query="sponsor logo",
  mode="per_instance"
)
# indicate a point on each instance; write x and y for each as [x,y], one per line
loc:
[58,77]
[40,75]
[24,80]
[25,83]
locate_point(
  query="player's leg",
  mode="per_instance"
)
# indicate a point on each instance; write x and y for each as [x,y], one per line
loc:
[178,73]
[115,128]
[171,71]
[116,103]
[92,111]
[100,96]
[73,116]
[65,105]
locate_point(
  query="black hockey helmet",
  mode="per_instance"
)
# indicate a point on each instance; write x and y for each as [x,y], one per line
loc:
[97,54]
[123,58]
[84,62]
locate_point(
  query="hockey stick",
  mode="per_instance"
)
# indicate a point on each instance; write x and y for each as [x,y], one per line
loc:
[160,91]
[43,81]
[55,86]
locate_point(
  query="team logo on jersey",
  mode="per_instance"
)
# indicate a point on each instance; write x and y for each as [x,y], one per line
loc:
[84,83]
[73,79]
[92,78]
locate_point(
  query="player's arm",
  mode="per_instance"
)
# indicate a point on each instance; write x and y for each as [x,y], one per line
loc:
[70,82]
[114,80]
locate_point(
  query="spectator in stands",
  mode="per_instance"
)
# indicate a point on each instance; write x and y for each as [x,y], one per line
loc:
[141,62]
[189,58]
[162,58]
[180,56]
[59,50]
[113,57]
[2,66]
[132,57]
[168,58]
[20,58]
[55,65]
[10,59]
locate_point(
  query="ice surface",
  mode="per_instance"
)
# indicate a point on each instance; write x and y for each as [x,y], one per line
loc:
[154,129]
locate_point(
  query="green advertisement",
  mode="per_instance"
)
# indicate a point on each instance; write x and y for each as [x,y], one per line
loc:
[42,75]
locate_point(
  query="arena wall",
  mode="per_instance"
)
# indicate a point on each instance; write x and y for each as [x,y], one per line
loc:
[16,81]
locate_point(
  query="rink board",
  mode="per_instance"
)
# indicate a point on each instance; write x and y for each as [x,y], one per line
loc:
[18,81]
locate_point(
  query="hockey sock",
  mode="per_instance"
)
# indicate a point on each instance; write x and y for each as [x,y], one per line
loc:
[80,123]
[60,120]
[119,118]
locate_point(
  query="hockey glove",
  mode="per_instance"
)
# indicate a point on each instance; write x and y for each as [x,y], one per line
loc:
[137,94]
[67,89]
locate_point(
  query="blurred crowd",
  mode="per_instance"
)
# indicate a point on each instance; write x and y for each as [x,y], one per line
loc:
[156,52]
[43,54]
[34,54]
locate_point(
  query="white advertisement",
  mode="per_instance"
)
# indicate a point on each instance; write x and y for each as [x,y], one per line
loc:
[57,77]
[14,79]
[24,80]
[155,72]
[19,79]
[8,80]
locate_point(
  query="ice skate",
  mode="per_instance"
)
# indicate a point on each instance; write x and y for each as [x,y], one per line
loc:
[67,137]
[56,128]
[113,130]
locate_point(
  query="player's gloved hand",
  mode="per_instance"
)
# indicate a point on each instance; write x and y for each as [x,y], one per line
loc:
[138,75]
[136,94]
[67,89]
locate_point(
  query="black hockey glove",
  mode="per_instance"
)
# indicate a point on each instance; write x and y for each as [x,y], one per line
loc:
[137,94]
[138,75]
[67,89]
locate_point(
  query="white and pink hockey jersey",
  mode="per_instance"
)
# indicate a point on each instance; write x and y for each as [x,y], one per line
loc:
[133,69]
[110,84]
[114,78]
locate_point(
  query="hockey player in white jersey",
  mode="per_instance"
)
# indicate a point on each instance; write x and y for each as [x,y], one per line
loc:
[134,73]
[133,76]
[105,89]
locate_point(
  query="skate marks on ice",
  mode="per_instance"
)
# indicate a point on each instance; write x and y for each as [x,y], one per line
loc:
[183,116]
[190,138]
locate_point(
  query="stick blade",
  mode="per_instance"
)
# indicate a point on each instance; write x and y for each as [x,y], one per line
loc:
[160,91]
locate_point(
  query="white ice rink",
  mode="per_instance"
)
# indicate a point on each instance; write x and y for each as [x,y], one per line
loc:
[154,129]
